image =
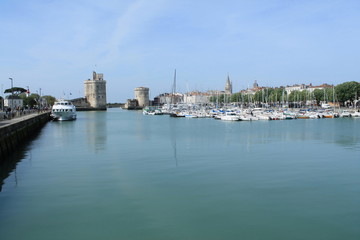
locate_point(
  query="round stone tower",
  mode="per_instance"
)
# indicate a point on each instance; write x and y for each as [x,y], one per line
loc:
[142,96]
[95,91]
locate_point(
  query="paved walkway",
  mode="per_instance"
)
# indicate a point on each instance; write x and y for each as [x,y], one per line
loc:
[18,119]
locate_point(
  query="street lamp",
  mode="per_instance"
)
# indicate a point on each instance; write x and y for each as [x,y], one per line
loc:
[12,93]
[40,99]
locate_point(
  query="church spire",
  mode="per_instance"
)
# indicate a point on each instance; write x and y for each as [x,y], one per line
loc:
[228,86]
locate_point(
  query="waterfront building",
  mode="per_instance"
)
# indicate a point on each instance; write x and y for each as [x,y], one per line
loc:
[320,87]
[95,91]
[131,104]
[13,102]
[309,87]
[142,96]
[254,89]
[215,92]
[170,98]
[296,87]
[196,97]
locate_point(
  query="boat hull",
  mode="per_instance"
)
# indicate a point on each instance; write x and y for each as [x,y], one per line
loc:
[63,117]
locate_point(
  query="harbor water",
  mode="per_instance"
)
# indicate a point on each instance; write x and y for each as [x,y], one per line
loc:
[123,175]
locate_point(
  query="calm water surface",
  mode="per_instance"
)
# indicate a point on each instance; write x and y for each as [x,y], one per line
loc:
[121,175]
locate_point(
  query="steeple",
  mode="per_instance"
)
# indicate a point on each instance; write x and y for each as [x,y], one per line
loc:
[228,86]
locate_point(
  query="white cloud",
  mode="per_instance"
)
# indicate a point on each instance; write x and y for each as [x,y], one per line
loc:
[131,25]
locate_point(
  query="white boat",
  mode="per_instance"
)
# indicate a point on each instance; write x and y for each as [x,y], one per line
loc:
[230,116]
[355,114]
[245,117]
[263,116]
[325,105]
[345,113]
[63,111]
[152,111]
[190,115]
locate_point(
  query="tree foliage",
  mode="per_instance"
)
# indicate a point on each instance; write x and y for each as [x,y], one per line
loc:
[34,100]
[30,101]
[15,90]
[347,91]
[49,99]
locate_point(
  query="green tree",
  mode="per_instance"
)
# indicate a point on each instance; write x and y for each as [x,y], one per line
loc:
[49,99]
[347,91]
[236,97]
[319,95]
[31,100]
[276,95]
[15,90]
[259,96]
[218,98]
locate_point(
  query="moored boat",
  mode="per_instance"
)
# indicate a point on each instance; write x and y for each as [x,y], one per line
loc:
[355,114]
[345,113]
[63,111]
[230,116]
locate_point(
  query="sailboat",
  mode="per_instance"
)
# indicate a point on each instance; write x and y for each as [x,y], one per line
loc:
[331,114]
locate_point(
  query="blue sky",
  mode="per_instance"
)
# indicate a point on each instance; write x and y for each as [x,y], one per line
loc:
[55,45]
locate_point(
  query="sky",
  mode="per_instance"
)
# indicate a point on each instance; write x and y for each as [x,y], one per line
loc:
[54,45]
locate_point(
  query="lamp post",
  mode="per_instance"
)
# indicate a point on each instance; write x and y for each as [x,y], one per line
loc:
[11,100]
[40,99]
[12,93]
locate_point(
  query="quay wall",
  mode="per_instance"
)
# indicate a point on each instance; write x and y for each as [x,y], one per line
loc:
[18,132]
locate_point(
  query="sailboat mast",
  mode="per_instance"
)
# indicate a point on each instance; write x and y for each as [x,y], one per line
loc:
[174,87]
[173,90]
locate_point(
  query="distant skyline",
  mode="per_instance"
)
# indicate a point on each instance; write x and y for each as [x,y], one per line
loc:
[55,45]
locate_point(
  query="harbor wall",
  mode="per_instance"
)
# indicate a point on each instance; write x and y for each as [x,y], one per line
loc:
[18,132]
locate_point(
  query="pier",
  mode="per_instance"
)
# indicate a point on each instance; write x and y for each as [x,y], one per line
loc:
[16,131]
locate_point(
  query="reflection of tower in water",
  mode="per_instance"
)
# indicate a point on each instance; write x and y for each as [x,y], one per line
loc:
[96,130]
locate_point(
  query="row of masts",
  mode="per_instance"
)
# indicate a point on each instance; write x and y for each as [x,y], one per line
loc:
[265,98]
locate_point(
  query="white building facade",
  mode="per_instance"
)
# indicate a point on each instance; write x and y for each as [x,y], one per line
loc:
[13,102]
[197,98]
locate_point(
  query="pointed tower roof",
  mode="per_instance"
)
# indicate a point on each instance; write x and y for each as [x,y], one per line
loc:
[228,86]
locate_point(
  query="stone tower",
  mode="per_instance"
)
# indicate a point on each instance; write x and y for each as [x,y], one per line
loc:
[142,96]
[228,86]
[95,91]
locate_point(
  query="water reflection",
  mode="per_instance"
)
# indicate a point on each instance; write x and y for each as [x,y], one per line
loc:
[8,165]
[62,131]
[96,127]
[142,126]
[210,135]
[173,128]
[331,131]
